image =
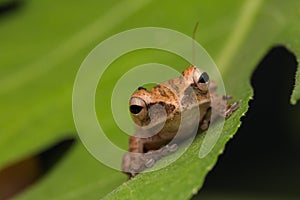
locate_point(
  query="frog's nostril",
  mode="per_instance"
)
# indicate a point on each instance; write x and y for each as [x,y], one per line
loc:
[135,109]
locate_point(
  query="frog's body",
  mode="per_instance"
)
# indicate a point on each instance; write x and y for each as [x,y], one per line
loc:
[160,111]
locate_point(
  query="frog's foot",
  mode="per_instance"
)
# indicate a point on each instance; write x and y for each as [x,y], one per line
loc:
[152,156]
[230,109]
[134,163]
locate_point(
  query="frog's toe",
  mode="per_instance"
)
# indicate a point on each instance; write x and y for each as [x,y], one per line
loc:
[227,97]
[205,124]
[173,147]
[149,163]
[231,108]
[168,149]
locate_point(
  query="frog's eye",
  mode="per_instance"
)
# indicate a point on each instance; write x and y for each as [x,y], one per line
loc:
[204,78]
[135,109]
[137,106]
[201,79]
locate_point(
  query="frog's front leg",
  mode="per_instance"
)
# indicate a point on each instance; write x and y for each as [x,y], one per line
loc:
[221,108]
[139,159]
[133,161]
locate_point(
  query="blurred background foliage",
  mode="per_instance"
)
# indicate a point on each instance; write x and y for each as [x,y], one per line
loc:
[43,44]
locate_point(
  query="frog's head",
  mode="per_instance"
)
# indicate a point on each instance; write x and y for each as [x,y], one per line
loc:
[174,95]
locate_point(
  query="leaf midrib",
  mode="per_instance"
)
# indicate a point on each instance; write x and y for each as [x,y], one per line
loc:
[240,31]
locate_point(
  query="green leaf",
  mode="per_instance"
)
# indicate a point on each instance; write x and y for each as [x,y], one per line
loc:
[44,43]
[5,2]
[296,91]
[36,88]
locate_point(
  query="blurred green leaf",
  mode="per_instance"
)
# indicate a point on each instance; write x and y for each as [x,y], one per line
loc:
[39,66]
[5,2]
[44,43]
[79,176]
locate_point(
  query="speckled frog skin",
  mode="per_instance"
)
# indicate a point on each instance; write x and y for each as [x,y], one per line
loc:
[158,112]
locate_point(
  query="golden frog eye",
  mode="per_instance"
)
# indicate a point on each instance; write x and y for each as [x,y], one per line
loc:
[137,106]
[201,79]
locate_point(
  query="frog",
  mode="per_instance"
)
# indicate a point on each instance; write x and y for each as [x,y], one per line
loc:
[158,113]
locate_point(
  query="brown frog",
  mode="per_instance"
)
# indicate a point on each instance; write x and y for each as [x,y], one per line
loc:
[159,112]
